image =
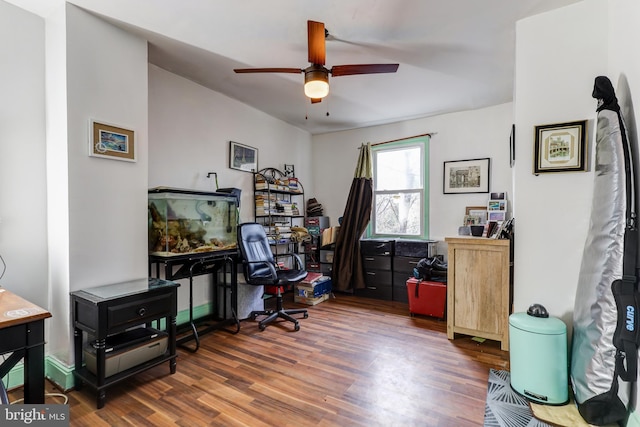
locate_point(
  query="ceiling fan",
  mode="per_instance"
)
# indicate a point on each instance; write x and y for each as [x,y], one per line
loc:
[316,76]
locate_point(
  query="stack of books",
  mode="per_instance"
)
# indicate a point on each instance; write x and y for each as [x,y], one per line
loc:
[284,207]
[293,185]
[265,205]
[314,289]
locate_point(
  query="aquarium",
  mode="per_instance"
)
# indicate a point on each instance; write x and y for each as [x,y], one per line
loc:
[183,222]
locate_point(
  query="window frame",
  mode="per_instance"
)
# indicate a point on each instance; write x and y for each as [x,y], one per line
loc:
[423,143]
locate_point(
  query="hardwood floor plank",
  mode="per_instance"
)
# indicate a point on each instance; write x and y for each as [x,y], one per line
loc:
[354,362]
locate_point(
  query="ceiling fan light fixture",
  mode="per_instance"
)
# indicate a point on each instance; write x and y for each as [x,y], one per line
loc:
[316,83]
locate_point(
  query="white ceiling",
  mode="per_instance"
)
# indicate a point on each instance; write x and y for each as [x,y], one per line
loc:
[454,55]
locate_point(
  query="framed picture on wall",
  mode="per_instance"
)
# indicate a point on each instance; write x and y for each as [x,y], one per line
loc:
[111,142]
[512,146]
[560,147]
[242,157]
[466,176]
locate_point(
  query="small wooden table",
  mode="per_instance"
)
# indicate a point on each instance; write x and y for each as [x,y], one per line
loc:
[22,335]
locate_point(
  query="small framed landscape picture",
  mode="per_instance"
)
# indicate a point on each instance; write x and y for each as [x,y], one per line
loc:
[466,176]
[111,142]
[242,157]
[560,147]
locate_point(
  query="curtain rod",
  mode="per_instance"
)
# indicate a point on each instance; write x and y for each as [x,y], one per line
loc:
[430,134]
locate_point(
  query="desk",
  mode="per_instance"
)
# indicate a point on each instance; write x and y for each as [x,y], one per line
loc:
[108,310]
[22,334]
[196,264]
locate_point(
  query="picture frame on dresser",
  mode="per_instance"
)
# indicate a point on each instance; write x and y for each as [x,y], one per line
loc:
[477,211]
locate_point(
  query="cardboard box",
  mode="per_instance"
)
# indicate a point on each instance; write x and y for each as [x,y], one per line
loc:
[329,236]
[311,300]
[313,289]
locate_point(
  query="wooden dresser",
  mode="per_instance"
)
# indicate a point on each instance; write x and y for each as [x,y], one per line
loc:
[478,288]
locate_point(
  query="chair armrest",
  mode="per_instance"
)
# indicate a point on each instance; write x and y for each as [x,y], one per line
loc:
[265,264]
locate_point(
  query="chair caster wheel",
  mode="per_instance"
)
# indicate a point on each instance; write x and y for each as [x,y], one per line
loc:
[296,327]
[262,327]
[306,315]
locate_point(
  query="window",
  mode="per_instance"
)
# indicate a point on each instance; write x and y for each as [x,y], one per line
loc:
[400,189]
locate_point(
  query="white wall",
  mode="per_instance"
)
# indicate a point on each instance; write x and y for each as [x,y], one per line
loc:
[190,128]
[555,72]
[458,136]
[104,240]
[23,209]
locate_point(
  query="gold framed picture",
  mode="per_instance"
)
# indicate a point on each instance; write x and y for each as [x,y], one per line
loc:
[112,142]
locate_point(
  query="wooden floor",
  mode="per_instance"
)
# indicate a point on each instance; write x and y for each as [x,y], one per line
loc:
[354,362]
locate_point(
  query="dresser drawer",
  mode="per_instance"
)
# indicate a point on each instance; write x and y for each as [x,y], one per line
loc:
[376,291]
[376,247]
[372,262]
[377,277]
[405,264]
[139,310]
[415,248]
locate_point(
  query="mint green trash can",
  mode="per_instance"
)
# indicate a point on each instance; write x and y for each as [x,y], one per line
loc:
[538,356]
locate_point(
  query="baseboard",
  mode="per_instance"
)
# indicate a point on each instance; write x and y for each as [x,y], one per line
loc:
[15,377]
[61,374]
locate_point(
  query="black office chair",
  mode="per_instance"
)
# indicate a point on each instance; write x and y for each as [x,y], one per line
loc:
[4,400]
[260,269]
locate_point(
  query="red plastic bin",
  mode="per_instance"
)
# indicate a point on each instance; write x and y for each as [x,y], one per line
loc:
[427,298]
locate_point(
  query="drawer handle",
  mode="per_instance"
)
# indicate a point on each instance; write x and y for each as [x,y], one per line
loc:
[413,262]
[371,273]
[373,288]
[369,259]
[142,311]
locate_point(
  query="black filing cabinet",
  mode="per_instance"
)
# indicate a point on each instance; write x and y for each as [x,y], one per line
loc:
[407,254]
[377,263]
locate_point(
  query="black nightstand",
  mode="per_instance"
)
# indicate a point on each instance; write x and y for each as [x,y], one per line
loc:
[105,311]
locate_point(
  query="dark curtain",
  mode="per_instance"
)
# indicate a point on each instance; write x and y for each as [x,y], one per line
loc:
[347,272]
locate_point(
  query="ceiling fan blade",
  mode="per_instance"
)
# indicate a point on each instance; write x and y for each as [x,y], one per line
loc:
[269,70]
[348,70]
[315,100]
[315,41]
